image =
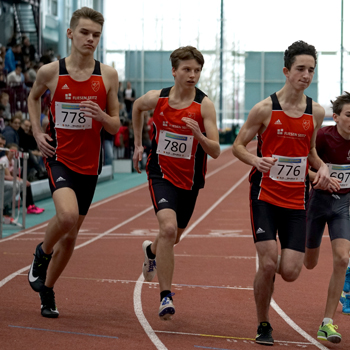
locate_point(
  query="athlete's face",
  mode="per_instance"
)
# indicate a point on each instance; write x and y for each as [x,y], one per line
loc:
[301,73]
[187,73]
[85,36]
[343,121]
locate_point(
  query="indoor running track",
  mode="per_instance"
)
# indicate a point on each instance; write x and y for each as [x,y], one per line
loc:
[105,304]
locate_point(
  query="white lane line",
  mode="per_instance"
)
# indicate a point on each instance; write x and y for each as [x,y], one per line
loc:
[290,322]
[13,275]
[138,287]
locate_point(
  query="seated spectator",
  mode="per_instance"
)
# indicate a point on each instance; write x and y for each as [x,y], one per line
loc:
[16,77]
[11,131]
[30,74]
[8,160]
[10,59]
[3,83]
[28,49]
[5,101]
[2,54]
[2,145]
[2,119]
[36,168]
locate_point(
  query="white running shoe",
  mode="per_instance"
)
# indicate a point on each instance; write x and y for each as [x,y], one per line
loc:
[166,309]
[149,268]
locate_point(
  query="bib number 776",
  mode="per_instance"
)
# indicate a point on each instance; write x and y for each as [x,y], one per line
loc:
[289,169]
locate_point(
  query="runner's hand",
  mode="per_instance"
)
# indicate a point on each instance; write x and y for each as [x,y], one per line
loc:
[264,164]
[333,186]
[45,148]
[193,125]
[92,110]
[322,179]
[137,157]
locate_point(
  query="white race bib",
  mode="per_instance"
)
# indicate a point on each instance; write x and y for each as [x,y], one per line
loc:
[341,172]
[289,169]
[69,116]
[174,145]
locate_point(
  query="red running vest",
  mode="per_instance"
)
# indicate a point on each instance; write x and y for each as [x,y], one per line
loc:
[176,155]
[76,138]
[287,139]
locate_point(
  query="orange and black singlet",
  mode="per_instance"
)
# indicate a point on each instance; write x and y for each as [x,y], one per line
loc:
[76,137]
[176,155]
[288,140]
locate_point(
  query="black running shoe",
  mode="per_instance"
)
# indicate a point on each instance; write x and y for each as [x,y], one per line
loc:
[48,305]
[264,334]
[37,272]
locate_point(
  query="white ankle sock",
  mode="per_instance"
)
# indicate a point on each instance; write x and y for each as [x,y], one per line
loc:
[327,320]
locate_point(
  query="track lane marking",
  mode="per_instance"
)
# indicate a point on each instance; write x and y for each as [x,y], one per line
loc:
[138,287]
[290,322]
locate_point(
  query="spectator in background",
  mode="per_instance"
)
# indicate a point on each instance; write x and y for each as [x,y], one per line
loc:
[121,99]
[2,54]
[2,145]
[16,77]
[30,74]
[2,120]
[10,57]
[8,160]
[121,139]
[11,131]
[36,167]
[108,147]
[28,49]
[5,101]
[129,98]
[3,83]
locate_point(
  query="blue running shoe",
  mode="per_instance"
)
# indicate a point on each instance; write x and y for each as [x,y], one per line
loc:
[346,305]
[342,298]
[346,288]
[167,308]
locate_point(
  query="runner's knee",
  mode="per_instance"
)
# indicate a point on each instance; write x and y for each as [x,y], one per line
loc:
[67,220]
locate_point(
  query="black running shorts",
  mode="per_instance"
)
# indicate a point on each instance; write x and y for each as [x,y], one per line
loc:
[83,185]
[167,196]
[333,209]
[268,219]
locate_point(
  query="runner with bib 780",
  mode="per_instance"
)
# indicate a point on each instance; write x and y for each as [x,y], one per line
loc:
[184,132]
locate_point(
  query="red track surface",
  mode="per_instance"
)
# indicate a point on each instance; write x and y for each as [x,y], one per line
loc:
[104,303]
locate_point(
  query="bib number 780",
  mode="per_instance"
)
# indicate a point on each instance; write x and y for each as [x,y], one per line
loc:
[174,145]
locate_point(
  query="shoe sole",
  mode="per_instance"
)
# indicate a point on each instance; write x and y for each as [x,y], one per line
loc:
[332,339]
[167,313]
[264,343]
[49,315]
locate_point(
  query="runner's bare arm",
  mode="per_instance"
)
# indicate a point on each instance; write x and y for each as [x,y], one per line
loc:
[210,142]
[143,103]
[322,178]
[110,118]
[46,75]
[257,121]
